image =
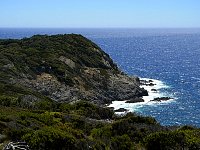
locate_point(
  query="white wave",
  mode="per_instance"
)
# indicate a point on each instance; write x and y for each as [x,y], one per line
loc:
[195,78]
[157,86]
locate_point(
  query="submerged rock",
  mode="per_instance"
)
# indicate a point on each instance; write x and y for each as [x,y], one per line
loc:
[154,90]
[159,99]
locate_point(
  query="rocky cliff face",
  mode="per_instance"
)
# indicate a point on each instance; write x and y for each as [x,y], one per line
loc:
[62,68]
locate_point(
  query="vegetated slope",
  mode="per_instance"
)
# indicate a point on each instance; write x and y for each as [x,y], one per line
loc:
[85,126]
[62,68]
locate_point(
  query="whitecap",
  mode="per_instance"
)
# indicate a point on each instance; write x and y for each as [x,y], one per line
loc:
[196,78]
[157,85]
[135,107]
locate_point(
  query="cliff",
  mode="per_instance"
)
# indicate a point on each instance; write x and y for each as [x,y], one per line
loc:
[63,68]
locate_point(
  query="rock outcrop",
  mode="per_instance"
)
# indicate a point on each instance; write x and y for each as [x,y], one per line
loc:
[160,99]
[63,68]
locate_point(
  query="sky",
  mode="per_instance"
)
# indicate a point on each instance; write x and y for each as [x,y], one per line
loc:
[100,13]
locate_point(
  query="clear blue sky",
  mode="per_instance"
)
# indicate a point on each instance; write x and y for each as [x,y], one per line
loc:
[100,13]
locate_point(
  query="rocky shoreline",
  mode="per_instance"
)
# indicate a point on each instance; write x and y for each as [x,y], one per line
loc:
[152,87]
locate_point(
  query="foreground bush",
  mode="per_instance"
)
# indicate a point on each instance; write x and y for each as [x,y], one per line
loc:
[83,125]
[50,137]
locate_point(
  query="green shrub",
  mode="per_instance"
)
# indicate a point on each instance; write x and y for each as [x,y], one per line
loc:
[165,141]
[17,134]
[103,134]
[93,111]
[121,143]
[5,118]
[50,138]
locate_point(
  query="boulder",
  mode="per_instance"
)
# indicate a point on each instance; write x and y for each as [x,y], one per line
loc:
[121,110]
[159,99]
[135,100]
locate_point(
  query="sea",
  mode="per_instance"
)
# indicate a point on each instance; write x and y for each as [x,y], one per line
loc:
[170,57]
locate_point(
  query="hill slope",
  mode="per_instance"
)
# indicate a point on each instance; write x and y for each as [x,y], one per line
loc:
[62,68]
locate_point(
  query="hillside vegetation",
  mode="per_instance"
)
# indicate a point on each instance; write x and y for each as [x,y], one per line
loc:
[83,125]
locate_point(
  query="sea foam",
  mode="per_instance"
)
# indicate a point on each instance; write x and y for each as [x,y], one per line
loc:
[157,85]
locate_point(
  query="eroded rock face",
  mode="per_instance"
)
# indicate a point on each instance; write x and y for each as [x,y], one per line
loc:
[67,61]
[50,86]
[90,85]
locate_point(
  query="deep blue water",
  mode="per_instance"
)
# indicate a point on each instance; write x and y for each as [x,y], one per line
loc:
[169,55]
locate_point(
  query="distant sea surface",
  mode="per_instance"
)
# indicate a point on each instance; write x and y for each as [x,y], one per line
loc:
[171,56]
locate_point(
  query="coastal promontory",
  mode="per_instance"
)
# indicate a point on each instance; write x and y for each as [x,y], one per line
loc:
[63,68]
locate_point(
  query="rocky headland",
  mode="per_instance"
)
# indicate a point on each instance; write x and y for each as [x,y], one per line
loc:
[63,68]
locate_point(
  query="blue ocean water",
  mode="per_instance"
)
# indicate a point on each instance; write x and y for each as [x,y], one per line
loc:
[169,55]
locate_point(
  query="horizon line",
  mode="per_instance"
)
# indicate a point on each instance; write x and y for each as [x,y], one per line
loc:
[101,27]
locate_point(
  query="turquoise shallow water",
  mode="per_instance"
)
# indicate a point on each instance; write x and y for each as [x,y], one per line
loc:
[169,55]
